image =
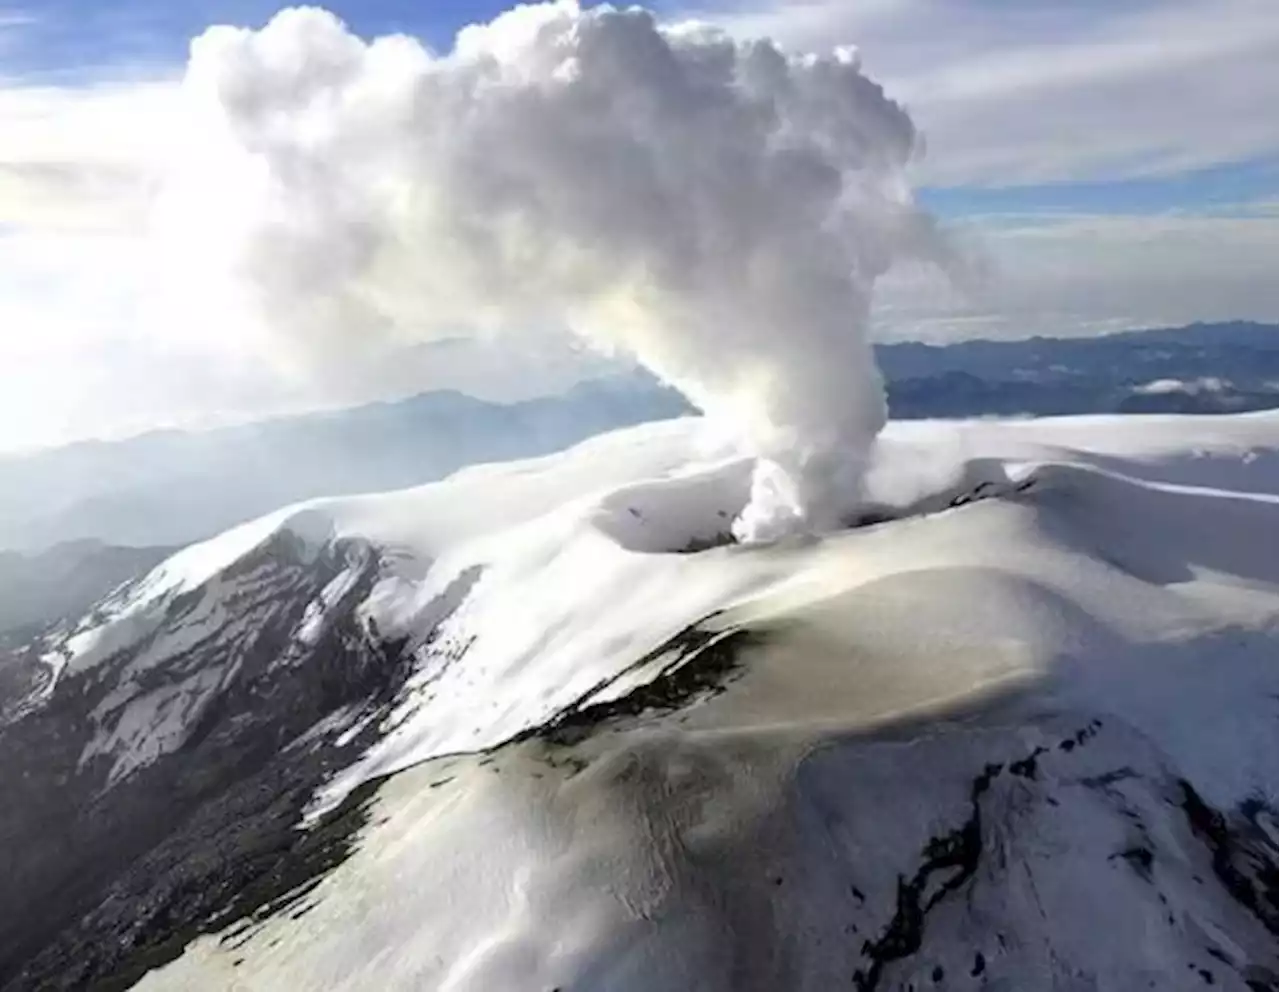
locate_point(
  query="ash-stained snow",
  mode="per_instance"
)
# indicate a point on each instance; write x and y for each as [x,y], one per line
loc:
[523,589]
[958,741]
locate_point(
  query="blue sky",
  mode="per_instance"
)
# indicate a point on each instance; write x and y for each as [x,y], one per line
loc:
[1114,163]
[87,38]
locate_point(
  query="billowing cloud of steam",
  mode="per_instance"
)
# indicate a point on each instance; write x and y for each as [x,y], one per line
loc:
[718,210]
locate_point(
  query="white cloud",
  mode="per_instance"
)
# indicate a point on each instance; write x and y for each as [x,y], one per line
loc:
[1081,274]
[1009,94]
[82,353]
[96,337]
[12,24]
[1190,387]
[1018,93]
[83,157]
[122,123]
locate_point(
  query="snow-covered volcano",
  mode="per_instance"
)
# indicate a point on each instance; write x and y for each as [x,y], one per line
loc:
[543,725]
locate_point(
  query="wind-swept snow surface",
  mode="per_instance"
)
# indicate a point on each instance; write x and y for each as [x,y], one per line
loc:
[1013,728]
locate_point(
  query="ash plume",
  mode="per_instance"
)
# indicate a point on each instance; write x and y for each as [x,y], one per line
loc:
[718,210]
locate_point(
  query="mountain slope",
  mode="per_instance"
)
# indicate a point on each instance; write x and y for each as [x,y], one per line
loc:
[551,731]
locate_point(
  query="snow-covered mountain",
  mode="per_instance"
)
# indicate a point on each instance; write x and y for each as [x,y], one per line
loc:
[542,725]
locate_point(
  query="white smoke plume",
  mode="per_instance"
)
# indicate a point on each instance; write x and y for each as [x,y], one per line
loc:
[717,210]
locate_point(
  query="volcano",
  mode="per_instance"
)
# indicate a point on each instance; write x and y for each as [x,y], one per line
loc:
[545,725]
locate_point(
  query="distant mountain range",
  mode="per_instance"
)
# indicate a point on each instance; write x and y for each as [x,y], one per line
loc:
[172,487]
[1202,368]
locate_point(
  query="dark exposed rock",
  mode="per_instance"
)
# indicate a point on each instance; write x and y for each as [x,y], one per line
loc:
[102,882]
[954,855]
[696,662]
[1244,856]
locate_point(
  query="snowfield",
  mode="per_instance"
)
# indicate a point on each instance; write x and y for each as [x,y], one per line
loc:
[1015,729]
